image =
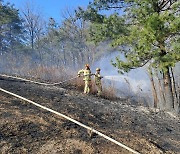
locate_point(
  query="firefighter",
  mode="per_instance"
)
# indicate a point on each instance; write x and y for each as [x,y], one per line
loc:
[98,78]
[86,77]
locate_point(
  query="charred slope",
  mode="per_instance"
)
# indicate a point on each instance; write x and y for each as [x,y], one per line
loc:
[25,128]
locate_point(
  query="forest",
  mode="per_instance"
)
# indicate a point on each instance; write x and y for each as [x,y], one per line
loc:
[146,32]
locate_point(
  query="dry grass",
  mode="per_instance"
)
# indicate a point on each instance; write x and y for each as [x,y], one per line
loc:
[109,92]
[25,67]
[52,73]
[40,72]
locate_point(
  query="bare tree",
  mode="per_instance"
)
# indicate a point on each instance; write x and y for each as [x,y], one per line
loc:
[33,22]
[75,31]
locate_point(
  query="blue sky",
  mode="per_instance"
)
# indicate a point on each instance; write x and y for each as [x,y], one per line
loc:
[51,8]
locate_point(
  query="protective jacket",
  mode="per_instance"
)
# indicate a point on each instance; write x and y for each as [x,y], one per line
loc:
[86,74]
[87,79]
[98,78]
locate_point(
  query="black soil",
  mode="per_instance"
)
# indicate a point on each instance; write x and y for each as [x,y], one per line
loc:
[25,128]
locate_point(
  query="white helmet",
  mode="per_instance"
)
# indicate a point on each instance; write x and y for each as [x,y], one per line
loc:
[98,69]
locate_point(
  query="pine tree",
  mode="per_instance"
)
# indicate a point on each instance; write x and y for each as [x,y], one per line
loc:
[148,31]
[10,28]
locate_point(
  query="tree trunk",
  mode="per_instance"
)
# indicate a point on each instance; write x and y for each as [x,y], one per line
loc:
[82,58]
[161,95]
[154,92]
[168,91]
[74,60]
[32,40]
[64,57]
[174,86]
[175,93]
[1,44]
[167,82]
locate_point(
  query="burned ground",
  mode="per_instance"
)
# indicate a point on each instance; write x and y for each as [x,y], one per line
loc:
[25,128]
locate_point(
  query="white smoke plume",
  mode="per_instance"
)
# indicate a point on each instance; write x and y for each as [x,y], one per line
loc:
[128,84]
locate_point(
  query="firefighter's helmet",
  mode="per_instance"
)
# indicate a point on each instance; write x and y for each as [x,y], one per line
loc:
[98,69]
[87,65]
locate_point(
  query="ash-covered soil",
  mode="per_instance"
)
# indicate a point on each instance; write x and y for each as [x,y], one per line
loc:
[25,128]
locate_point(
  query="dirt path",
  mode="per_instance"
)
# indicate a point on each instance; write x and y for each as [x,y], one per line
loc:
[26,129]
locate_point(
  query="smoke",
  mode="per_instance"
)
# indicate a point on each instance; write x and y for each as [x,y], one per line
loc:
[136,77]
[134,83]
[125,81]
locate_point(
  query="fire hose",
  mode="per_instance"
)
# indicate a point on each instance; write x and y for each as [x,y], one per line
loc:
[62,115]
[40,83]
[72,120]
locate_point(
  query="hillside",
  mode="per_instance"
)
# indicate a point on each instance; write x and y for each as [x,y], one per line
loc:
[24,128]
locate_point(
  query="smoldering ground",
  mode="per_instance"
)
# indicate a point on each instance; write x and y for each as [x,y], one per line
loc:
[27,129]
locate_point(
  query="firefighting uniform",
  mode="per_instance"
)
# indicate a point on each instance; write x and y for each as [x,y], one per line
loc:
[87,79]
[98,78]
